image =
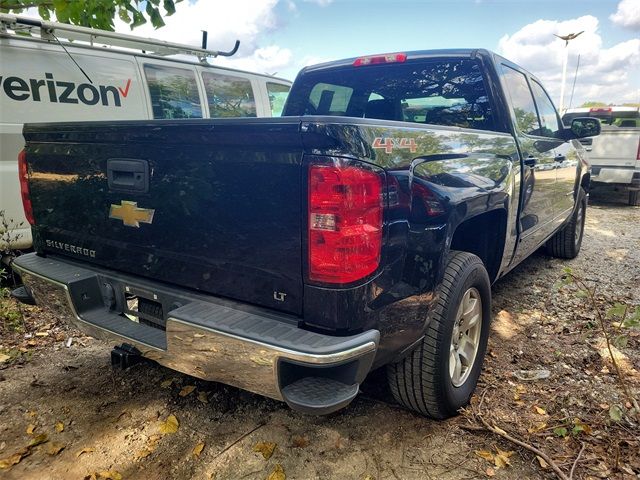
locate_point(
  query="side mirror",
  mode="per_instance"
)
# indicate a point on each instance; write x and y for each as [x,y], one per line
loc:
[582,127]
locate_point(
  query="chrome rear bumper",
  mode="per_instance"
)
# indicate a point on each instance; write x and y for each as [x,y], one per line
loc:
[206,337]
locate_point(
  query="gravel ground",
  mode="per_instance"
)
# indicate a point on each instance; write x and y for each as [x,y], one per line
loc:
[106,423]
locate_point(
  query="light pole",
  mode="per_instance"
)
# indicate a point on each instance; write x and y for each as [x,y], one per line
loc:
[566,38]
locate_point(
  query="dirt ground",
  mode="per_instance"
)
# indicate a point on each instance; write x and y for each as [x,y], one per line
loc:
[119,424]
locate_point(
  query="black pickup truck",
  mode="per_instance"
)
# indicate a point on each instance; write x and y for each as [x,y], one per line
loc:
[291,256]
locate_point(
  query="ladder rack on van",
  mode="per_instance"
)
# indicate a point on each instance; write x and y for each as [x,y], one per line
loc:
[50,31]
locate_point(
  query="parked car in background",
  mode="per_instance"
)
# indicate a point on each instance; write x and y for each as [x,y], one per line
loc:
[615,153]
[40,82]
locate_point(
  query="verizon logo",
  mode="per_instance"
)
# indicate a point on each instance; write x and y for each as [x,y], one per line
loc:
[57,91]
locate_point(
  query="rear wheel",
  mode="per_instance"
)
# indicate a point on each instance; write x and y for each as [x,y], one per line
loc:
[566,242]
[634,198]
[440,375]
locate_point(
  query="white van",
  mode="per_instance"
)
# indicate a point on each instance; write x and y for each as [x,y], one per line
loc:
[40,82]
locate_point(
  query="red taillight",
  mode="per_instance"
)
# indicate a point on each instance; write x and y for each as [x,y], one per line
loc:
[600,110]
[638,154]
[377,59]
[345,223]
[23,174]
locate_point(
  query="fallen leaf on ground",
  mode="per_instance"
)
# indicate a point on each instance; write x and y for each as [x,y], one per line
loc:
[187,390]
[299,441]
[30,429]
[85,450]
[615,413]
[537,427]
[15,458]
[55,448]
[501,459]
[277,473]
[197,450]
[265,448]
[110,475]
[539,410]
[168,382]
[42,334]
[487,455]
[59,427]
[38,440]
[203,397]
[543,463]
[490,472]
[149,448]
[170,425]
[4,357]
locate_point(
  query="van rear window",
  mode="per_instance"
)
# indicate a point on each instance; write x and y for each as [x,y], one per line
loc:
[441,91]
[229,96]
[278,94]
[174,92]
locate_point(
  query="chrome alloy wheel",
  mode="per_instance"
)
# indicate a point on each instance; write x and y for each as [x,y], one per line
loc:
[465,338]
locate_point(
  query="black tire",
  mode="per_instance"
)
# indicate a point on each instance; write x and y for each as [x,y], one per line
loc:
[634,198]
[422,381]
[566,242]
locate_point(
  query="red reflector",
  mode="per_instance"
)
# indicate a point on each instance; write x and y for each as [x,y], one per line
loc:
[345,223]
[23,175]
[377,59]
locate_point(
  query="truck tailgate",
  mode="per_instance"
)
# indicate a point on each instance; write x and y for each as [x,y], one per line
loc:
[615,147]
[213,205]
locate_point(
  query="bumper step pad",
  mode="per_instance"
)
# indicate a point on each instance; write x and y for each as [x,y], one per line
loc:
[318,395]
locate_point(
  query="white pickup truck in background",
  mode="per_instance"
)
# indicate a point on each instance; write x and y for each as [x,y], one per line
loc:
[614,154]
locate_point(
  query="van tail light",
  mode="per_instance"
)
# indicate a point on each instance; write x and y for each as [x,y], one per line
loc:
[638,154]
[345,221]
[23,174]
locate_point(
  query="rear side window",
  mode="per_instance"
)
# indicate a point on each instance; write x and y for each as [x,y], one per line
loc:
[229,96]
[548,116]
[278,94]
[522,101]
[174,92]
[442,91]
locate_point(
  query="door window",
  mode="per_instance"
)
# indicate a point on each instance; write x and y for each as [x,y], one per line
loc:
[174,92]
[229,96]
[548,117]
[522,101]
[278,94]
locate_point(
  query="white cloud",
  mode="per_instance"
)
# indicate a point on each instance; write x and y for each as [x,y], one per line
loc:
[605,74]
[627,14]
[322,3]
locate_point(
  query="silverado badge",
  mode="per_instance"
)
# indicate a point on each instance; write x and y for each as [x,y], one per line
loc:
[130,214]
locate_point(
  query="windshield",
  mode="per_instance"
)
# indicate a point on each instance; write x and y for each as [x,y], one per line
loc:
[442,91]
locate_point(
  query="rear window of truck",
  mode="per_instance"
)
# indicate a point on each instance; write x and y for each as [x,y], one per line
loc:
[442,91]
[608,117]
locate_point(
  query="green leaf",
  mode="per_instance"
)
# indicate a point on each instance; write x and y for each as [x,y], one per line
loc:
[615,413]
[44,12]
[618,310]
[156,18]
[621,341]
[124,16]
[169,7]
[582,294]
[138,19]
[560,431]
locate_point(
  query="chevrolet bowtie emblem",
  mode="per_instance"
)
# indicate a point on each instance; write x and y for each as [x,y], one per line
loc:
[130,214]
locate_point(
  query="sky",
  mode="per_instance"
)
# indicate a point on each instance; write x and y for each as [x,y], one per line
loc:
[282,36]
